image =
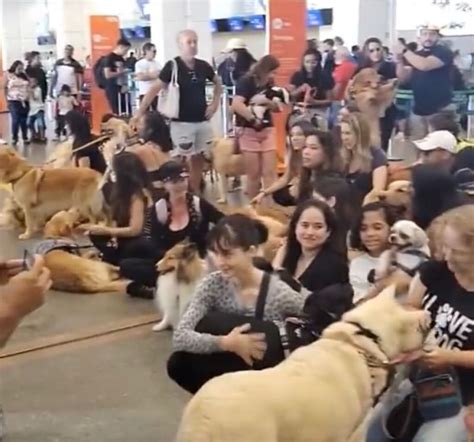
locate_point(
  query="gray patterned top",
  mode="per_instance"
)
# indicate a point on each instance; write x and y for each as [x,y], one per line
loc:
[216,293]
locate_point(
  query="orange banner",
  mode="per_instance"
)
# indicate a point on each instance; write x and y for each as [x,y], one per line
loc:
[286,40]
[105,31]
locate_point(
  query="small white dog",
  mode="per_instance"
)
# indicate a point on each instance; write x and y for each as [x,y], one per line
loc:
[180,270]
[409,249]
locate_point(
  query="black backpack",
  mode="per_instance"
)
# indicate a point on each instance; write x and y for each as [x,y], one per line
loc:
[98,70]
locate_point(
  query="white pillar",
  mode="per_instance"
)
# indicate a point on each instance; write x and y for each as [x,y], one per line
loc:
[168,17]
[19,29]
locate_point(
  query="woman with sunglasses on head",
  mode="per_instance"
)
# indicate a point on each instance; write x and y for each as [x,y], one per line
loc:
[176,216]
[282,190]
[373,57]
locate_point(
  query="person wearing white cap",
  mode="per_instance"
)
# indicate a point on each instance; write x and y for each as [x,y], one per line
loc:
[238,62]
[438,147]
[429,72]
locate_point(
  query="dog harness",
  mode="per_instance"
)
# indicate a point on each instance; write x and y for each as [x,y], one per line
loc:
[48,245]
[412,252]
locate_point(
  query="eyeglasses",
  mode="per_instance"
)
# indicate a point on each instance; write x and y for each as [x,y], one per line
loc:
[194,78]
[375,50]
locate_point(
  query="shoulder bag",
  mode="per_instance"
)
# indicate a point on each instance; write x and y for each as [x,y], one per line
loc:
[168,101]
[220,324]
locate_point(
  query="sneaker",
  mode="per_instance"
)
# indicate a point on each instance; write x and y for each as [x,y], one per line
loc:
[2,142]
[26,142]
[136,290]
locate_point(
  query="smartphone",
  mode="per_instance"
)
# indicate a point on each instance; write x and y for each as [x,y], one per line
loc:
[28,260]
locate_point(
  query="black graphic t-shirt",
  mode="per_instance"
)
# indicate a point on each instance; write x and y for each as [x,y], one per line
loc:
[452,312]
[247,88]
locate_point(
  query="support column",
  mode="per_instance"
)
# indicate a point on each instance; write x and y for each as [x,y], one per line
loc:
[18,32]
[168,17]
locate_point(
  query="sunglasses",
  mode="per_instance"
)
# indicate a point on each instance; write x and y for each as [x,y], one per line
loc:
[176,179]
[375,50]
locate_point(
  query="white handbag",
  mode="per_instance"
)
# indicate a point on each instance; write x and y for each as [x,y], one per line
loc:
[168,101]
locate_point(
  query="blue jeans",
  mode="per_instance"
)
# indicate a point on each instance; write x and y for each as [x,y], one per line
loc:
[440,430]
[36,122]
[19,115]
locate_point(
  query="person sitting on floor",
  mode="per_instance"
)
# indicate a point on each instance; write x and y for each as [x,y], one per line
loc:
[177,216]
[282,189]
[132,210]
[369,235]
[234,288]
[311,254]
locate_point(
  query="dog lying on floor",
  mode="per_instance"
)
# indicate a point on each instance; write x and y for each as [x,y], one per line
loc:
[180,270]
[72,268]
[40,193]
[348,368]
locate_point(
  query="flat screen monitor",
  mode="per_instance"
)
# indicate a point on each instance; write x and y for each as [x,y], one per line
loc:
[257,22]
[129,34]
[315,18]
[236,24]
[140,32]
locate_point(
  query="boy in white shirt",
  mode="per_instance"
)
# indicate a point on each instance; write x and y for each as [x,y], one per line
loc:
[36,121]
[146,72]
[65,103]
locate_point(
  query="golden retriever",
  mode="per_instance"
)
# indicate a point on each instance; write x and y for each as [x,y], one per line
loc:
[345,371]
[75,272]
[398,197]
[227,164]
[41,193]
[372,98]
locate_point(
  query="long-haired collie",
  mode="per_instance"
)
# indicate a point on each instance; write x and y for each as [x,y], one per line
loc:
[180,270]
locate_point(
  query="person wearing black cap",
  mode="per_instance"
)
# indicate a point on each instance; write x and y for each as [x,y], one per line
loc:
[178,215]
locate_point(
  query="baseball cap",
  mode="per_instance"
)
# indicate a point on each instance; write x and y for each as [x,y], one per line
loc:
[172,171]
[235,43]
[439,139]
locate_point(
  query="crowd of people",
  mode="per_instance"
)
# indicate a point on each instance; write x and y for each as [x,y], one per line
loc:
[334,175]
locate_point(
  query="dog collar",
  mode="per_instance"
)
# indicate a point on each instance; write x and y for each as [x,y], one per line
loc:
[373,362]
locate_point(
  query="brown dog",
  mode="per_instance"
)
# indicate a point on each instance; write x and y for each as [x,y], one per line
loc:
[372,98]
[398,197]
[226,163]
[41,193]
[72,269]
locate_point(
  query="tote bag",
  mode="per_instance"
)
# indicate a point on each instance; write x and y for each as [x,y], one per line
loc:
[168,102]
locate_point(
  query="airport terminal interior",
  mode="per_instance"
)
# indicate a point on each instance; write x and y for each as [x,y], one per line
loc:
[285,109]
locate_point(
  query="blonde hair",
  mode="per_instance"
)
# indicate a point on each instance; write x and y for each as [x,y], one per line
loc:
[361,153]
[461,219]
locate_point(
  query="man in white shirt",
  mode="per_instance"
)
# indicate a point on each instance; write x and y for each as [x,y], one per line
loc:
[146,72]
[67,71]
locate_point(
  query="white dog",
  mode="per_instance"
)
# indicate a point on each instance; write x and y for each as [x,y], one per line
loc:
[180,271]
[409,249]
[323,392]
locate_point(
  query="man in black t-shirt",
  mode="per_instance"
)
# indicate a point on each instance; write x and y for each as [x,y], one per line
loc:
[116,78]
[429,72]
[191,132]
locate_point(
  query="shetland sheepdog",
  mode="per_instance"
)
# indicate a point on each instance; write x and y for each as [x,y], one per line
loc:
[180,270]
